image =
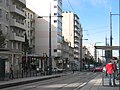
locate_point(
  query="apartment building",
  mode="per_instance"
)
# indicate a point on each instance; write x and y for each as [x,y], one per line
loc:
[12,18]
[66,58]
[30,29]
[71,30]
[42,31]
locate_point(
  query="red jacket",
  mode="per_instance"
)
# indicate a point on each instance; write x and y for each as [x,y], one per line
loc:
[110,67]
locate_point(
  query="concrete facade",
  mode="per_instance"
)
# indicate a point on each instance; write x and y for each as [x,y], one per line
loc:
[30,29]
[12,18]
[71,30]
[42,32]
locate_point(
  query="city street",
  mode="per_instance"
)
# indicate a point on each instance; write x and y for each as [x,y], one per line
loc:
[67,82]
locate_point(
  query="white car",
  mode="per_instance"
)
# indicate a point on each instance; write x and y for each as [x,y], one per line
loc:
[56,69]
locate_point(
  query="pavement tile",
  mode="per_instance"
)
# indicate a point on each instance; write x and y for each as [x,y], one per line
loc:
[96,84]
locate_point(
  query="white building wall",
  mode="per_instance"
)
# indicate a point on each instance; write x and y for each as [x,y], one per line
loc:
[71,31]
[68,27]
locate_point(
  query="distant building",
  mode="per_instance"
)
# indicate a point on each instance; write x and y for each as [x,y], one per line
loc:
[30,29]
[71,30]
[42,30]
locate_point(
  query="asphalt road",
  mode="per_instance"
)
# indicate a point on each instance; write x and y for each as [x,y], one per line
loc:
[69,82]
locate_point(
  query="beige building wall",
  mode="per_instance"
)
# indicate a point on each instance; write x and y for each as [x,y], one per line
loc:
[42,37]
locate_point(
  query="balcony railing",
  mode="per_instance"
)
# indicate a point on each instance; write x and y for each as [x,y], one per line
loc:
[17,23]
[14,8]
[13,36]
[22,1]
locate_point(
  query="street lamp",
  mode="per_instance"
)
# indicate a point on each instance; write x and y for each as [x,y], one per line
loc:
[111,30]
[119,33]
[81,53]
[119,42]
[95,52]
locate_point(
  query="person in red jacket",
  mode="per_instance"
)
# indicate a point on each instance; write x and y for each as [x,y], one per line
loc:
[111,68]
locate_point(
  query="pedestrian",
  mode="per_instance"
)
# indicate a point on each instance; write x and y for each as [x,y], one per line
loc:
[110,68]
[11,76]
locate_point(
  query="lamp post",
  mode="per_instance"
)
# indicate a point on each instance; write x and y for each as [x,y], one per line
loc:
[111,31]
[119,41]
[95,51]
[50,59]
[119,33]
[81,53]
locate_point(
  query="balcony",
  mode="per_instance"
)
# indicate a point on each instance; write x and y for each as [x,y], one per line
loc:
[22,1]
[59,40]
[14,37]
[13,8]
[59,46]
[16,24]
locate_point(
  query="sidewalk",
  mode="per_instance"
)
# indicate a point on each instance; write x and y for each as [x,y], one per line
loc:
[20,81]
[98,84]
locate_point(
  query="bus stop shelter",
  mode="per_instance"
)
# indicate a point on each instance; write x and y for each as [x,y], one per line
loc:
[107,48]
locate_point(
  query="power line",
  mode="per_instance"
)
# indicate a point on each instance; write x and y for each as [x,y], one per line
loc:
[97,28]
[100,32]
[71,6]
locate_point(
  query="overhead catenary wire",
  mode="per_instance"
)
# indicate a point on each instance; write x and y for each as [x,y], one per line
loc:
[71,6]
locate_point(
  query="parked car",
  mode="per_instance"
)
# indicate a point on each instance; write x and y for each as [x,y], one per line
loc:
[56,69]
[91,66]
[98,69]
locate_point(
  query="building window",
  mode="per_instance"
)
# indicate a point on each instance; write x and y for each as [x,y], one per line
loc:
[28,15]
[12,45]
[55,13]
[55,21]
[17,45]
[28,25]
[7,2]
[25,13]
[0,13]
[28,33]
[55,50]
[31,16]
[6,43]
[6,30]
[0,27]
[55,6]
[7,18]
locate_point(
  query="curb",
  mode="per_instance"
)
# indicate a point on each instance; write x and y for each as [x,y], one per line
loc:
[28,80]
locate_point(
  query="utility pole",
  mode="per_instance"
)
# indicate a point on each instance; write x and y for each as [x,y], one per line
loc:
[110,32]
[119,41]
[50,58]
